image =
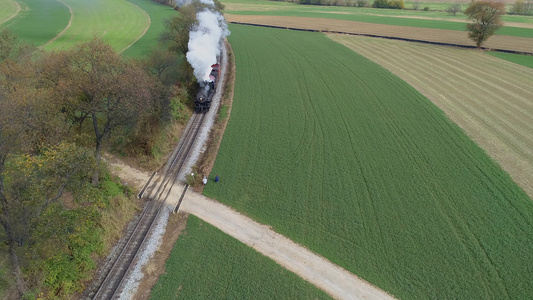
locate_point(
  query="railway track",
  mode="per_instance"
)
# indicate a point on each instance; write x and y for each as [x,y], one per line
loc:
[109,286]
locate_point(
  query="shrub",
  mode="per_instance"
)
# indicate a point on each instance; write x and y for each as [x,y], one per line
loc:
[397,4]
[380,4]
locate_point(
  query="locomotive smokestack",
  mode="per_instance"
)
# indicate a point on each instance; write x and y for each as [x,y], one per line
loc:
[205,39]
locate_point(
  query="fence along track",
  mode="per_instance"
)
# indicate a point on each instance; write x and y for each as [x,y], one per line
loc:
[110,286]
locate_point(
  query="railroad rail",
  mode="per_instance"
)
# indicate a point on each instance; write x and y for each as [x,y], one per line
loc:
[109,286]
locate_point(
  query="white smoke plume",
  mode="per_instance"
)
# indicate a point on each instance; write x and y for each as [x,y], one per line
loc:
[205,39]
[205,42]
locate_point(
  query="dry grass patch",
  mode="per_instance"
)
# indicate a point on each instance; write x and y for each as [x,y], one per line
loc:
[490,98]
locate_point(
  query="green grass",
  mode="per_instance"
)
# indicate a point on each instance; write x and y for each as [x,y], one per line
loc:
[524,60]
[208,264]
[371,15]
[158,15]
[39,21]
[117,22]
[340,155]
[8,9]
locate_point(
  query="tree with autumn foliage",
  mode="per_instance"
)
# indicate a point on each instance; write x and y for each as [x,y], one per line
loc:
[486,19]
[93,82]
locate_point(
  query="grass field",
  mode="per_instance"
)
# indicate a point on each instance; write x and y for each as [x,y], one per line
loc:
[489,98]
[524,60]
[39,21]
[158,15]
[117,22]
[8,9]
[208,264]
[341,156]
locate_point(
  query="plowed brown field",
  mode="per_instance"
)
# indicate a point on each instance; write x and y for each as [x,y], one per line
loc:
[425,34]
[491,99]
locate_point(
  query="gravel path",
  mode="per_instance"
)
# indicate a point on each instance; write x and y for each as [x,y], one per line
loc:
[322,273]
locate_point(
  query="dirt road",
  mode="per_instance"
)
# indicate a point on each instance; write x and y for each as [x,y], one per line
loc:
[337,282]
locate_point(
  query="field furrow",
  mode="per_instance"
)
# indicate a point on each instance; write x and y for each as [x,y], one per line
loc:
[491,99]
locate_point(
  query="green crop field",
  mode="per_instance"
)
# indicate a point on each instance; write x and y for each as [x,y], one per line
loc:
[158,15]
[8,9]
[524,60]
[117,22]
[423,19]
[46,22]
[340,155]
[39,21]
[208,264]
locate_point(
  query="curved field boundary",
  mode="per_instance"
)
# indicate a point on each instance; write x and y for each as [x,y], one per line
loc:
[157,13]
[117,22]
[66,28]
[38,21]
[7,13]
[490,98]
[427,35]
[143,33]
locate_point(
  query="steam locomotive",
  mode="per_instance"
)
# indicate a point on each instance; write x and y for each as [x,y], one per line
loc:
[202,102]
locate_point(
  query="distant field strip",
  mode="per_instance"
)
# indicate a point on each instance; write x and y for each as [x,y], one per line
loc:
[341,156]
[321,13]
[8,10]
[206,263]
[491,99]
[117,22]
[512,43]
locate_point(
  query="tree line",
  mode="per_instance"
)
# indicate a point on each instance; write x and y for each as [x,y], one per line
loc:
[520,7]
[59,111]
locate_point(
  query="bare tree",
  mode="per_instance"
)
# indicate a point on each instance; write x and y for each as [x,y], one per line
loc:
[486,19]
[454,9]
